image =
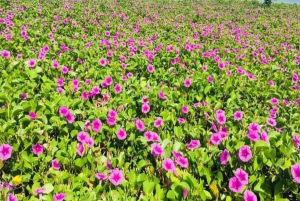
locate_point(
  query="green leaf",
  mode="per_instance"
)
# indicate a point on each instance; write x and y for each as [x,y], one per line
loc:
[49,188]
[80,162]
[148,187]
[142,177]
[171,195]
[132,177]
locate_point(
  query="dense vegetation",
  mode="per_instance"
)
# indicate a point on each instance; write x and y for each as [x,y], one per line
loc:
[149,100]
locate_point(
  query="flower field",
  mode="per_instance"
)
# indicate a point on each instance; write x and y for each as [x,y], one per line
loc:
[149,100]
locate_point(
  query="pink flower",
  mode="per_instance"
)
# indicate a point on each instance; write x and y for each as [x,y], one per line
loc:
[31,63]
[70,118]
[116,177]
[169,165]
[235,185]
[55,64]
[55,164]
[121,134]
[37,149]
[224,158]
[180,120]
[238,115]
[210,79]
[5,152]
[296,141]
[253,136]
[64,111]
[158,122]
[112,114]
[101,176]
[185,109]
[194,144]
[220,116]
[150,68]
[215,139]
[140,125]
[39,191]
[59,197]
[245,153]
[187,82]
[108,80]
[242,176]
[274,101]
[265,137]
[96,125]
[182,162]
[64,70]
[111,121]
[161,95]
[145,108]
[156,150]
[271,122]
[118,88]
[249,196]
[102,62]
[11,197]
[82,137]
[80,149]
[253,127]
[295,169]
[5,54]
[32,115]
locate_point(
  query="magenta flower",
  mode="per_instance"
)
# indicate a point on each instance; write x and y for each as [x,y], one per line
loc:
[5,152]
[182,162]
[249,196]
[180,120]
[24,96]
[121,134]
[118,88]
[224,158]
[116,177]
[215,139]
[235,185]
[32,115]
[253,136]
[145,108]
[185,109]
[169,165]
[140,125]
[108,80]
[80,149]
[242,176]
[70,118]
[64,111]
[253,127]
[55,64]
[185,193]
[59,197]
[55,164]
[158,122]
[111,121]
[271,122]
[274,101]
[210,79]
[31,63]
[150,69]
[102,62]
[112,114]
[238,115]
[39,191]
[265,137]
[194,144]
[296,141]
[295,169]
[187,82]
[161,95]
[82,137]
[101,176]
[11,197]
[97,125]
[5,54]
[64,70]
[220,117]
[156,150]
[245,153]
[37,149]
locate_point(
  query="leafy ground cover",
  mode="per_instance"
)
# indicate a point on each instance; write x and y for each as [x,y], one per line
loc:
[149,100]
